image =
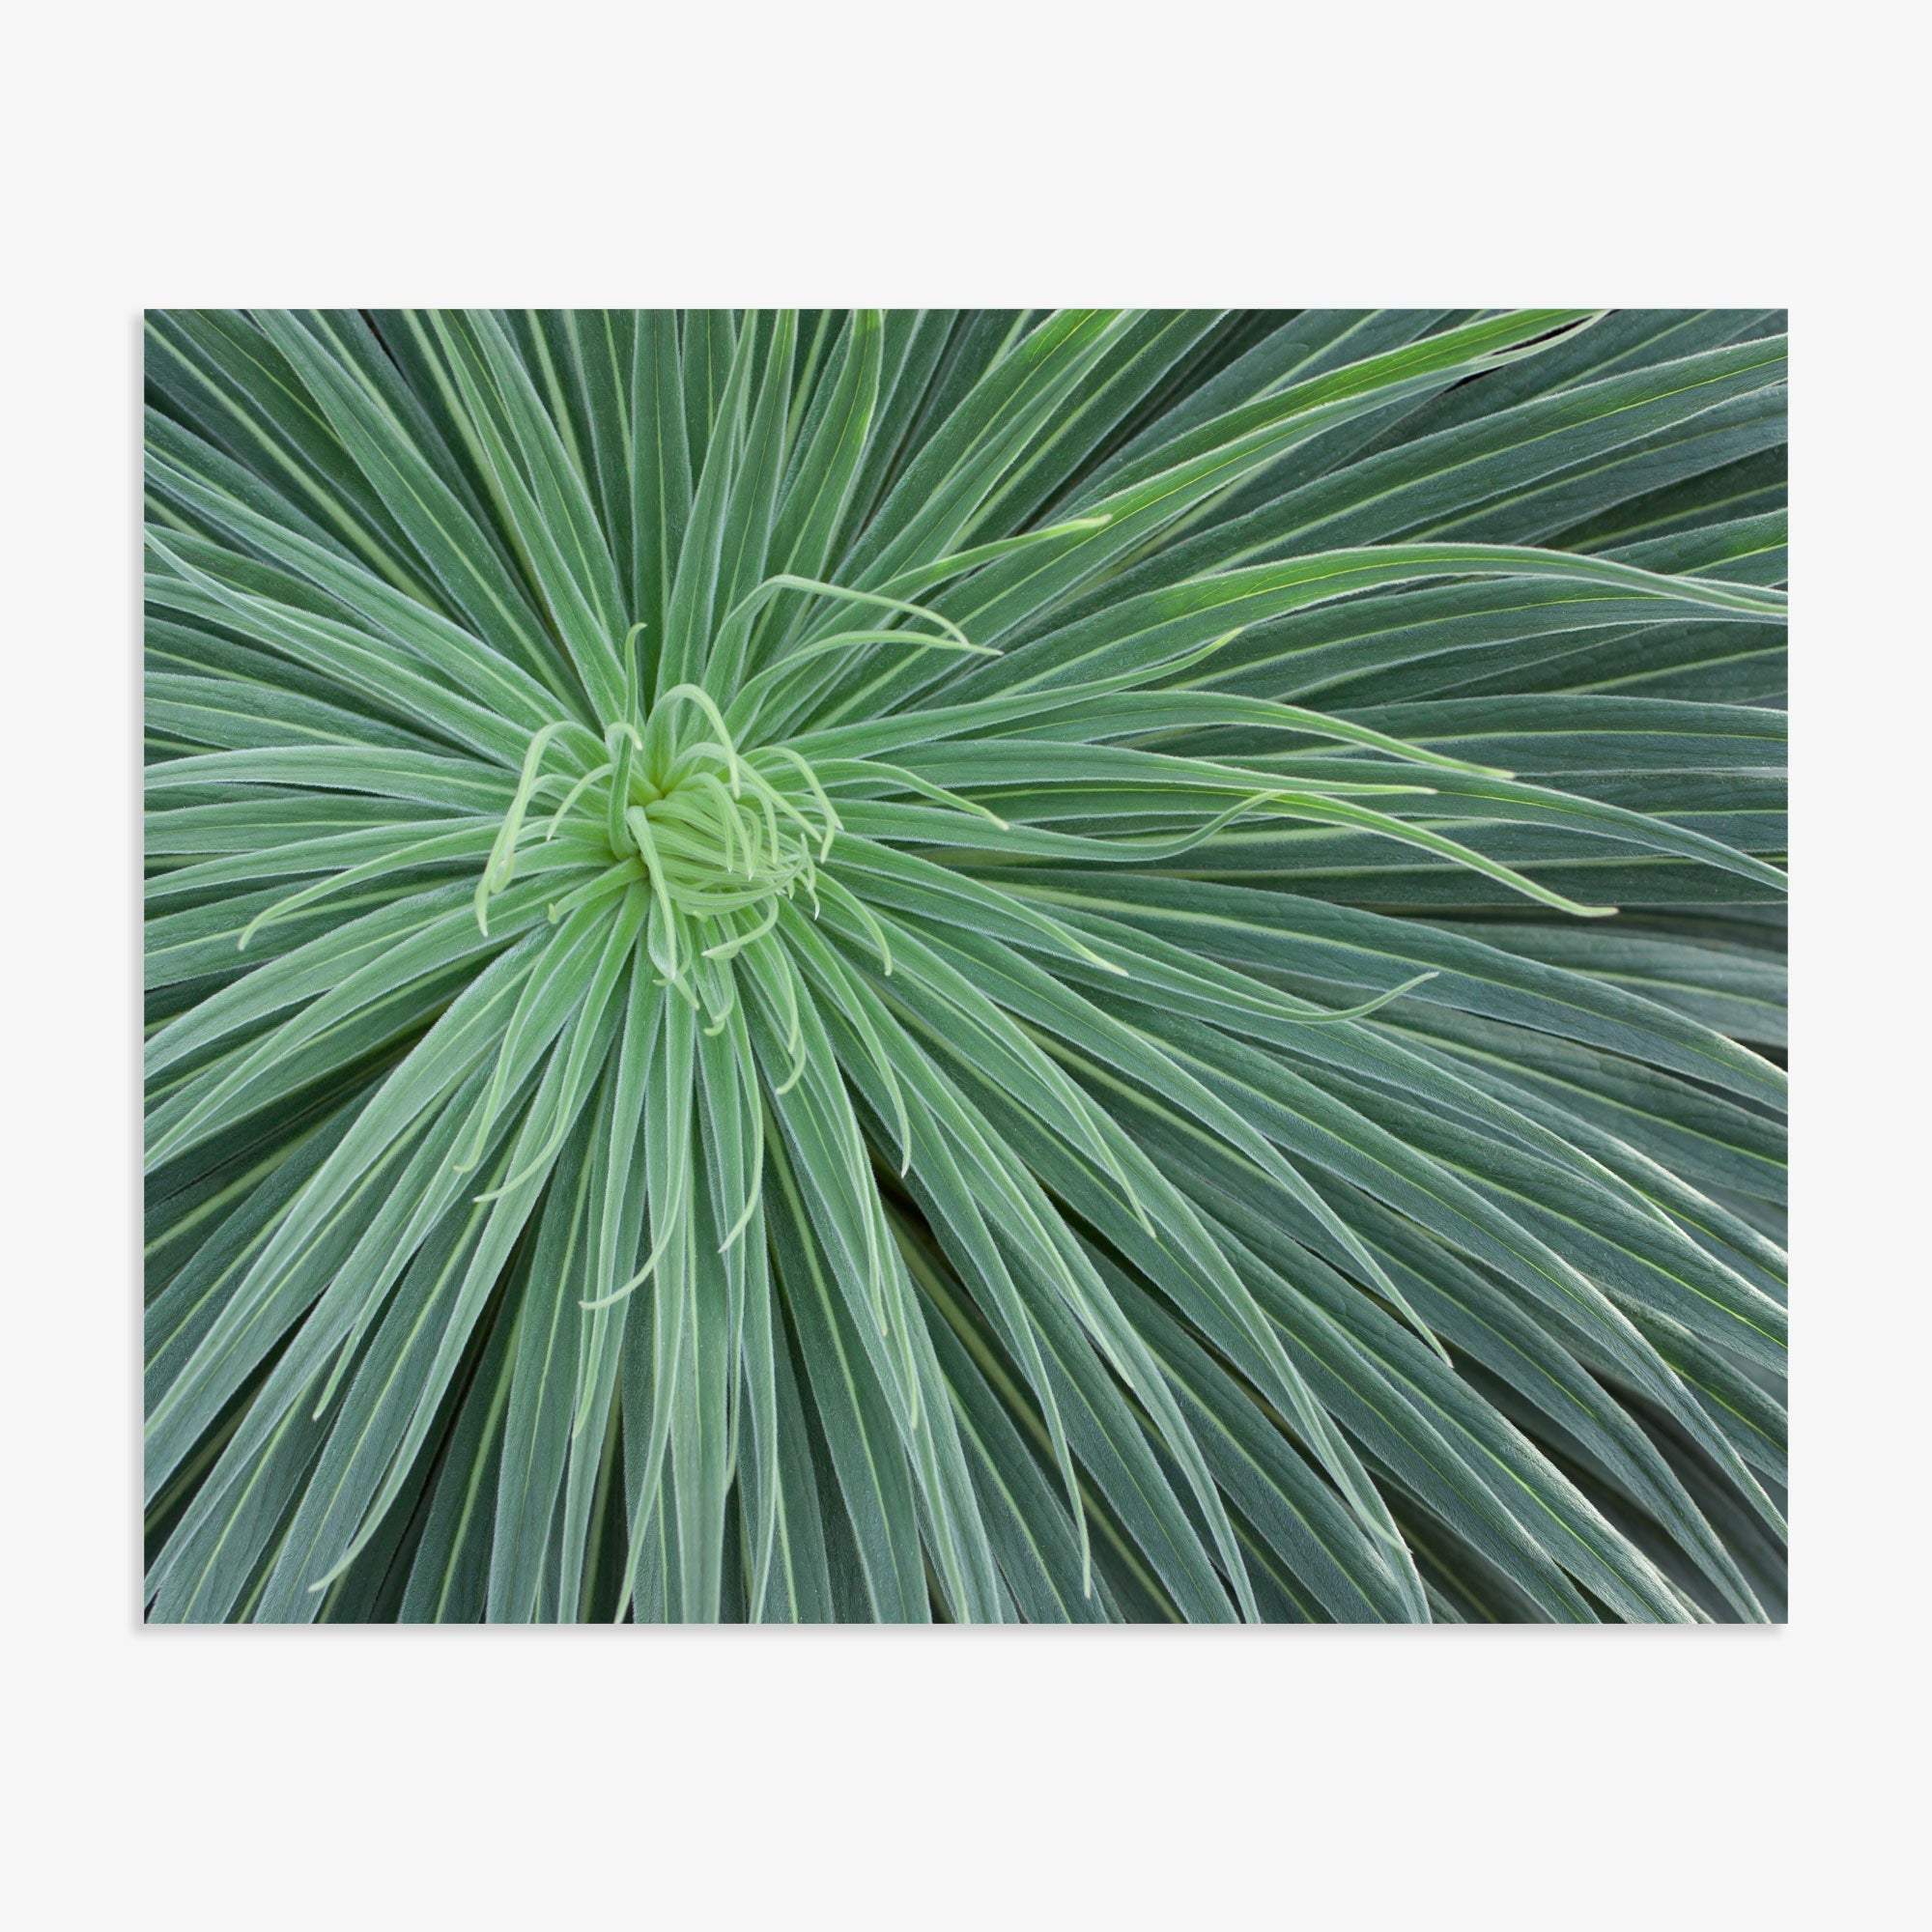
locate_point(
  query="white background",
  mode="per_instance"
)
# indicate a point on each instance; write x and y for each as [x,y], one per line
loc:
[983,153]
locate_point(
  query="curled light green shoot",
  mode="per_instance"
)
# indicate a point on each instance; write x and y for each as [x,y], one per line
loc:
[500,867]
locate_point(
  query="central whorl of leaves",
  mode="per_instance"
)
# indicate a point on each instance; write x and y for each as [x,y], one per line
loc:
[714,835]
[773,1094]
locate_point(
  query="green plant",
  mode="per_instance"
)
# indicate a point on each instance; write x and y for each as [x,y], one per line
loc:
[874,966]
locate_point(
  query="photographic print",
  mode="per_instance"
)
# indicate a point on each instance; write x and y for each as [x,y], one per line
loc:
[973,966]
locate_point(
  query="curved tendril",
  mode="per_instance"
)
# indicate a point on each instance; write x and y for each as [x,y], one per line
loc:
[619,796]
[499,869]
[861,768]
[397,859]
[651,1261]
[834,824]
[773,799]
[751,694]
[576,792]
[747,703]
[633,687]
[1367,1007]
[750,1207]
[662,935]
[851,902]
[696,694]
[730,949]
[794,1038]
[754,600]
[704,975]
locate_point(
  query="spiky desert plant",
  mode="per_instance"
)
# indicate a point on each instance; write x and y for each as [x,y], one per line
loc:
[886,966]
